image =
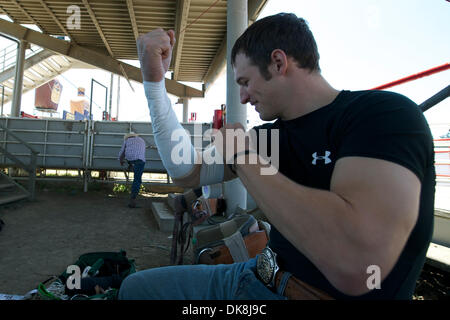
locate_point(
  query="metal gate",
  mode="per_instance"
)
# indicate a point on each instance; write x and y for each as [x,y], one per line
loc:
[83,145]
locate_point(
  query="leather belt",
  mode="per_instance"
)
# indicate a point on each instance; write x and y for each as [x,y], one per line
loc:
[282,282]
[298,290]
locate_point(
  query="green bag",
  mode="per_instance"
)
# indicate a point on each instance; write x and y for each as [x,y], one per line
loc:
[105,269]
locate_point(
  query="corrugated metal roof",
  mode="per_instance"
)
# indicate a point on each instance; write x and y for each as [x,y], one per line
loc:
[111,26]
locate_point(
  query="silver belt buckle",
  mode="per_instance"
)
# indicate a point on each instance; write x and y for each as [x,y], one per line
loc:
[267,267]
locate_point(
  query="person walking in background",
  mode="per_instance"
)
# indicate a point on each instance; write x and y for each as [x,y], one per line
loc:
[133,150]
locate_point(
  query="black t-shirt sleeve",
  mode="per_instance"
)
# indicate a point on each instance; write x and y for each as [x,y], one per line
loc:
[388,126]
[266,139]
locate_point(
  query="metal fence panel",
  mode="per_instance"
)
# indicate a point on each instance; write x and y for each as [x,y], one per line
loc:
[69,144]
[60,143]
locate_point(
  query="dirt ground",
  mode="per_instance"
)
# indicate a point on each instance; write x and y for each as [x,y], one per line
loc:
[41,238]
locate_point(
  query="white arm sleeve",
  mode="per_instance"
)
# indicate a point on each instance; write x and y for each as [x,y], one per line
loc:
[165,126]
[211,172]
[171,138]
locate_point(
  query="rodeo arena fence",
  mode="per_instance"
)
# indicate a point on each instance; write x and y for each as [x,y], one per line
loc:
[442,157]
[83,145]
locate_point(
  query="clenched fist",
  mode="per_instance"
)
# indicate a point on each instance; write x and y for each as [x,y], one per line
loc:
[155,53]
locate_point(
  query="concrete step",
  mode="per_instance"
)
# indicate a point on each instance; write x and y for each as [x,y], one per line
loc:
[170,201]
[439,256]
[441,232]
[4,178]
[164,216]
[12,198]
[6,185]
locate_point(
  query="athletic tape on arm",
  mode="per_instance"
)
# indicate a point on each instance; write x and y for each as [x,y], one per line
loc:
[212,172]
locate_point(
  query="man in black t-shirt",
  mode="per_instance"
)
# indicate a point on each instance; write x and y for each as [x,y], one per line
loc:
[350,199]
[367,124]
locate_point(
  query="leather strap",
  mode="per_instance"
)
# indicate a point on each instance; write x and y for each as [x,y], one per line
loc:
[254,242]
[236,245]
[296,289]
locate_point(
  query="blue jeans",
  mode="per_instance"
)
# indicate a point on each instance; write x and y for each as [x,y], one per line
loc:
[138,169]
[235,281]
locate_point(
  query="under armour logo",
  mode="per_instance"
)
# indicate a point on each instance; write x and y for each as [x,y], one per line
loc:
[326,157]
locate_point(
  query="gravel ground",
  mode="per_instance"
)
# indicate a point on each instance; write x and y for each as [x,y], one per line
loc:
[433,284]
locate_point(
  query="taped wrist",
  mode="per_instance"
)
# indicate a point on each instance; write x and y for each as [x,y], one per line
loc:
[170,136]
[212,169]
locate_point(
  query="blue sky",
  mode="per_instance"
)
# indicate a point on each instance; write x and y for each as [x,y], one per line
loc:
[362,44]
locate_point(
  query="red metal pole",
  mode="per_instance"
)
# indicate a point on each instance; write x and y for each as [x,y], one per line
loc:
[425,73]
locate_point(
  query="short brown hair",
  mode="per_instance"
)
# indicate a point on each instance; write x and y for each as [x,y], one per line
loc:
[283,31]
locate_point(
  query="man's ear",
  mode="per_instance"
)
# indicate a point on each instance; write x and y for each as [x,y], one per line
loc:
[279,61]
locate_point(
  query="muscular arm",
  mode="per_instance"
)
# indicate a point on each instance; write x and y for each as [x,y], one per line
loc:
[365,219]
[155,52]
[169,135]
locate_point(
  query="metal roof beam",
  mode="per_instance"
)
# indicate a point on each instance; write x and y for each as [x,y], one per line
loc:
[105,41]
[28,15]
[6,12]
[91,57]
[180,26]
[97,26]
[60,25]
[219,61]
[133,19]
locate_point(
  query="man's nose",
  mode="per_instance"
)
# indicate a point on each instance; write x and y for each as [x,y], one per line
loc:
[244,96]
